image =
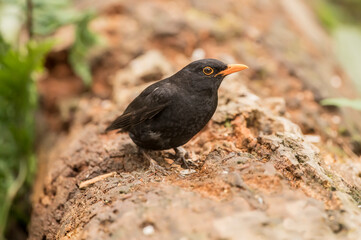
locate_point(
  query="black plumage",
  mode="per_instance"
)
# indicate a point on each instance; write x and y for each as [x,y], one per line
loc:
[168,113]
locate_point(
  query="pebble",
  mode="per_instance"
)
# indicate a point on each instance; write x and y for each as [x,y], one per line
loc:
[148,230]
[187,171]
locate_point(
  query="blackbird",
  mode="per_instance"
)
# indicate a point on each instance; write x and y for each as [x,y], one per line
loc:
[168,113]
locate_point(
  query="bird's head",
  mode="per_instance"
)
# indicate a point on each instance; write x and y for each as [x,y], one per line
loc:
[207,73]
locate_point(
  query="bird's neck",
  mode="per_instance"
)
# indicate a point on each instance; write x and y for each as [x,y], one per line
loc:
[206,92]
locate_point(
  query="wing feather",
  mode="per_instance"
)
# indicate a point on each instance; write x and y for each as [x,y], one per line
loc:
[146,106]
[135,117]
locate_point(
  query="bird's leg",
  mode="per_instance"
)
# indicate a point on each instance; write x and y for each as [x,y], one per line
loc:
[183,155]
[154,166]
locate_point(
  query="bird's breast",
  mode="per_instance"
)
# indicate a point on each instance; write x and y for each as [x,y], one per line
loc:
[192,113]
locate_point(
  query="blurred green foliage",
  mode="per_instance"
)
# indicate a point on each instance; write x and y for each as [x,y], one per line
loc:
[84,40]
[351,9]
[19,63]
[342,18]
[343,102]
[50,15]
[17,103]
[333,13]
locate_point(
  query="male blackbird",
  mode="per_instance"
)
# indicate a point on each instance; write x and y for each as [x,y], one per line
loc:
[168,113]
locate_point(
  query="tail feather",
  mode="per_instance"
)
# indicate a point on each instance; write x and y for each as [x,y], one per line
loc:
[121,122]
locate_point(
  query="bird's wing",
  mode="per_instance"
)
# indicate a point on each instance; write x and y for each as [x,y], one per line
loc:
[148,104]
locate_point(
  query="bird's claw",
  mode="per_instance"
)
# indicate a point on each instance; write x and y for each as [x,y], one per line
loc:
[156,169]
[154,166]
[186,163]
[182,156]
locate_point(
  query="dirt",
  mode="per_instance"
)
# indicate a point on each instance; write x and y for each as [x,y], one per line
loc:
[271,164]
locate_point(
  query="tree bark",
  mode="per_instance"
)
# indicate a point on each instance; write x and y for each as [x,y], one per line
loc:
[258,173]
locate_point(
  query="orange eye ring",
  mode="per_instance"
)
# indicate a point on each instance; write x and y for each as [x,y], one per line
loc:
[208,71]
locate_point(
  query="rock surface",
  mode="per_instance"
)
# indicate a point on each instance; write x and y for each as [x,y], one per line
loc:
[257,178]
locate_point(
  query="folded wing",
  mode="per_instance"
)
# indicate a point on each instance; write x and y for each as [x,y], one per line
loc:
[148,104]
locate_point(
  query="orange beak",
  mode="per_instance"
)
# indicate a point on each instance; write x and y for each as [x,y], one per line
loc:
[232,68]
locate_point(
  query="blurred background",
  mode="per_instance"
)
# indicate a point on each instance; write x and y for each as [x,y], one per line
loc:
[56,54]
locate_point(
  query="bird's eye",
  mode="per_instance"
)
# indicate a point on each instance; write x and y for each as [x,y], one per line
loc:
[207,70]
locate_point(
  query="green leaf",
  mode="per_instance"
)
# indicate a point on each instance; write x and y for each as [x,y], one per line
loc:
[328,13]
[48,16]
[343,102]
[84,41]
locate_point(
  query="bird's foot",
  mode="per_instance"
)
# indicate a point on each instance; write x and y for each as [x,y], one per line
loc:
[182,156]
[154,166]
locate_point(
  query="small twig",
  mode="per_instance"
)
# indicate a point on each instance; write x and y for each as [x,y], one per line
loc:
[126,196]
[96,179]
[29,18]
[117,156]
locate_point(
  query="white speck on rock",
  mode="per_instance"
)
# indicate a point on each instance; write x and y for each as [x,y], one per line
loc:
[259,199]
[148,230]
[187,171]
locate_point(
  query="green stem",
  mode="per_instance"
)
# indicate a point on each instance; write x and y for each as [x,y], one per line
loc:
[10,195]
